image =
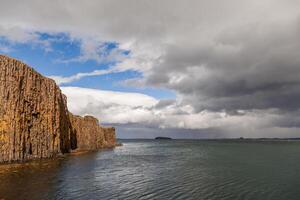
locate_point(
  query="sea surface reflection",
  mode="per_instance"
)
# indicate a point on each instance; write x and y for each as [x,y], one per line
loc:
[149,169]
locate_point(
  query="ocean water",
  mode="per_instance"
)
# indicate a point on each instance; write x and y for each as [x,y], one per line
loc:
[165,169]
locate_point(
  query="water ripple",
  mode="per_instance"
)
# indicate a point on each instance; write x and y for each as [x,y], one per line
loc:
[148,170]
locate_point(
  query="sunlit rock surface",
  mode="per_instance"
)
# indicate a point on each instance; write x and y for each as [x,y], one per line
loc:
[90,135]
[34,118]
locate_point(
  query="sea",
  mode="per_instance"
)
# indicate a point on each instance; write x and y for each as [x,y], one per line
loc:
[163,169]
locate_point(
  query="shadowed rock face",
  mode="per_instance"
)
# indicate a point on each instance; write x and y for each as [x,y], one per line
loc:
[34,119]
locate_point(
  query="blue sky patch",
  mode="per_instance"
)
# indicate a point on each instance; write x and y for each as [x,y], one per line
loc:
[60,55]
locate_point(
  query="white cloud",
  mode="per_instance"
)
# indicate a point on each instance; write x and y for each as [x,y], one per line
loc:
[18,34]
[221,56]
[124,108]
[93,49]
[110,106]
[68,79]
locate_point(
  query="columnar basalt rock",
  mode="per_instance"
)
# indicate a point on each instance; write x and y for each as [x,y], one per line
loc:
[90,135]
[110,137]
[33,114]
[34,119]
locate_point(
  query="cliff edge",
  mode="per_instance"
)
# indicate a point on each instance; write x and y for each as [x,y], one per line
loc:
[34,119]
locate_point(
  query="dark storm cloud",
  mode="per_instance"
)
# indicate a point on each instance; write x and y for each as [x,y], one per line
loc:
[216,55]
[254,69]
[234,65]
[164,103]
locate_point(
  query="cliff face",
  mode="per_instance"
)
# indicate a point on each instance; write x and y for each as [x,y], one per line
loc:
[33,114]
[90,135]
[34,119]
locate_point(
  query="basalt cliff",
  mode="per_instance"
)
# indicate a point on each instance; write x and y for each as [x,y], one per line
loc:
[34,119]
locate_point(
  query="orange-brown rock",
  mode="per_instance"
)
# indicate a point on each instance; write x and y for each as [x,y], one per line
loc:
[90,135]
[33,114]
[110,137]
[34,119]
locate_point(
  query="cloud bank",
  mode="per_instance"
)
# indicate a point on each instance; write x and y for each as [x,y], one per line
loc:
[234,65]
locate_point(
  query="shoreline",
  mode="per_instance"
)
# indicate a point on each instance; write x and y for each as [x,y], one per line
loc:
[57,157]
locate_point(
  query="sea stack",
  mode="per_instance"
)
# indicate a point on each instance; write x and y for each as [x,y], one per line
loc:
[34,119]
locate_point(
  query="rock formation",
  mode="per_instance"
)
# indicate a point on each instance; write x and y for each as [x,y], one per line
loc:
[90,135]
[34,119]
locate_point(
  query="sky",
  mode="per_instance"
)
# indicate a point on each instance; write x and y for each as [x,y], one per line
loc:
[185,69]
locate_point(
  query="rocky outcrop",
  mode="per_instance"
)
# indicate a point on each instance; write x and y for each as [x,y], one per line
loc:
[34,119]
[110,137]
[90,135]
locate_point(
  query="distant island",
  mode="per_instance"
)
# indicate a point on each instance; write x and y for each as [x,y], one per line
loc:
[163,138]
